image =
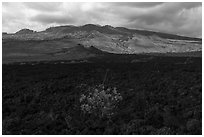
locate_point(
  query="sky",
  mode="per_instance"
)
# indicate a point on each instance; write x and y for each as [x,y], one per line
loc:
[175,18]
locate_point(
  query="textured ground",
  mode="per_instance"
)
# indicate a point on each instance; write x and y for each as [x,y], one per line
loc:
[161,95]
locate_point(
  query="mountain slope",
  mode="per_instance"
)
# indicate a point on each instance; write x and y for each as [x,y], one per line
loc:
[106,38]
[33,50]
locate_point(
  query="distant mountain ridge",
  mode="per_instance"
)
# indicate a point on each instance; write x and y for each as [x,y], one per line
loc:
[100,39]
[105,29]
[115,30]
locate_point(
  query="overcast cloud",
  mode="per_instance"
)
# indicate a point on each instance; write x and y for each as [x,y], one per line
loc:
[177,18]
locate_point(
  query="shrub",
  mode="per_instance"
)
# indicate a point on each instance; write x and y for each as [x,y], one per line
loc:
[193,126]
[163,131]
[133,127]
[100,101]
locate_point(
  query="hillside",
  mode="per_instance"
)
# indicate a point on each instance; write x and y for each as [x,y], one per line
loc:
[25,31]
[33,50]
[119,40]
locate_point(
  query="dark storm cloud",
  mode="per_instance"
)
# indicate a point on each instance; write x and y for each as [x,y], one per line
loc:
[189,5]
[177,18]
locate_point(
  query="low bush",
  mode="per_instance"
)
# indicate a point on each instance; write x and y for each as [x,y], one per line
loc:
[100,101]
